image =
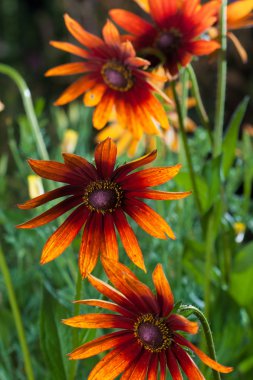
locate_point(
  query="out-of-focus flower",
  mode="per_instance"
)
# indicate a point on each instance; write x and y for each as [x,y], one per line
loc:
[239,229]
[101,195]
[35,186]
[173,37]
[1,106]
[112,75]
[151,337]
[69,141]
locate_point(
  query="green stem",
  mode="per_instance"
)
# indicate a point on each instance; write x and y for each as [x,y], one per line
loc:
[29,108]
[207,331]
[186,147]
[210,236]
[221,82]
[16,316]
[75,335]
[199,104]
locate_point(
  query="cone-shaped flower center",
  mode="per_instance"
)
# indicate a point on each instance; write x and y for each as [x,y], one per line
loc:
[103,196]
[168,42]
[117,76]
[152,333]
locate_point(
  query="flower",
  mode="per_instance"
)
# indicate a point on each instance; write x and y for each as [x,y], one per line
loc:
[112,76]
[239,14]
[172,37]
[101,195]
[149,334]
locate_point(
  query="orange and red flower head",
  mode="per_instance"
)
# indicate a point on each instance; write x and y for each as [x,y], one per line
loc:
[101,196]
[173,37]
[112,76]
[149,338]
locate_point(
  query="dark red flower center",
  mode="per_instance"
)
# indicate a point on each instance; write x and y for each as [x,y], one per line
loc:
[103,196]
[169,41]
[152,333]
[117,76]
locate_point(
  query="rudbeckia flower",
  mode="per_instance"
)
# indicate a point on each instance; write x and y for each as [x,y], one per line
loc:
[149,339]
[173,36]
[112,75]
[101,195]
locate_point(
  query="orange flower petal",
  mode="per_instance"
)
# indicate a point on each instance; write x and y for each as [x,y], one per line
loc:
[129,240]
[55,171]
[101,344]
[163,291]
[161,10]
[179,322]
[137,62]
[129,285]
[53,213]
[115,362]
[144,4]
[47,197]
[187,364]
[173,366]
[130,22]
[123,170]
[103,110]
[238,10]
[70,48]
[127,117]
[138,368]
[75,89]
[205,359]
[105,158]
[94,95]
[64,235]
[113,294]
[95,321]
[202,47]
[107,305]
[68,69]
[153,367]
[110,244]
[90,245]
[155,108]
[159,195]
[77,31]
[80,164]
[148,219]
[111,34]
[150,177]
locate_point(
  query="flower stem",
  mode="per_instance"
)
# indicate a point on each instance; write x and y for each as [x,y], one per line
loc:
[199,104]
[75,340]
[186,147]
[207,331]
[29,108]
[221,82]
[16,315]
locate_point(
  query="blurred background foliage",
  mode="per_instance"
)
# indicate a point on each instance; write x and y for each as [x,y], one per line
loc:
[45,293]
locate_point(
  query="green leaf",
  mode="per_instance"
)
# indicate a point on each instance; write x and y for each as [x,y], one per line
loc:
[244,258]
[241,286]
[54,336]
[229,143]
[213,180]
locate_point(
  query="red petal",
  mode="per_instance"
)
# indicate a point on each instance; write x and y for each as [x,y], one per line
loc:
[80,165]
[55,171]
[109,247]
[205,359]
[69,48]
[150,177]
[64,235]
[138,368]
[68,69]
[53,213]
[107,305]
[179,322]
[162,360]
[90,245]
[128,238]
[159,195]
[77,31]
[153,367]
[130,22]
[115,362]
[187,364]
[164,294]
[111,34]
[123,170]
[75,89]
[95,321]
[202,47]
[173,366]
[148,219]
[47,197]
[162,10]
[105,158]
[101,344]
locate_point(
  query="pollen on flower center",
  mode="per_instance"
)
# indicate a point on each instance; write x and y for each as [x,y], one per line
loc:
[168,41]
[152,333]
[117,76]
[103,196]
